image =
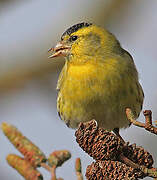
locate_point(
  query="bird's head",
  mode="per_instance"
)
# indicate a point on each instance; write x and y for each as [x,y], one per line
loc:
[84,40]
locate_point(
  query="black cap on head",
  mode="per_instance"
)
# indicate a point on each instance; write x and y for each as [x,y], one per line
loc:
[75,27]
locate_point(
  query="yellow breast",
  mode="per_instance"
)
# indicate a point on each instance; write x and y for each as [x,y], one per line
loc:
[100,90]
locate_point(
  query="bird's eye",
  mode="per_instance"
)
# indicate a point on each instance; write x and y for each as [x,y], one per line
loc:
[73,38]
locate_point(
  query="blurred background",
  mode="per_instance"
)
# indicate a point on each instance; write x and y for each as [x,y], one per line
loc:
[28,78]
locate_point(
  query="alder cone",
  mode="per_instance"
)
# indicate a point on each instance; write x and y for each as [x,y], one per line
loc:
[115,170]
[97,142]
[139,155]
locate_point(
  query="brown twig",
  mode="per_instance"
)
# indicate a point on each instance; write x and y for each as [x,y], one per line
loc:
[46,166]
[78,169]
[149,172]
[128,162]
[148,117]
[152,172]
[148,120]
[52,170]
[53,173]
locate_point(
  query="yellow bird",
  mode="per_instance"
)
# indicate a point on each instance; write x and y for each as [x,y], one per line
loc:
[99,79]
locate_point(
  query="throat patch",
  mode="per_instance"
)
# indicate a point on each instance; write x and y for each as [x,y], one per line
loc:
[74,28]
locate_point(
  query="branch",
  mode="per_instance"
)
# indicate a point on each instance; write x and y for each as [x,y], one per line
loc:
[78,169]
[148,120]
[113,158]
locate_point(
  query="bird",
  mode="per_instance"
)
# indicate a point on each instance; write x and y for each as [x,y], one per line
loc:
[99,79]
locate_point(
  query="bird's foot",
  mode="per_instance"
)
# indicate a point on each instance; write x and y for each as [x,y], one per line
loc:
[116,131]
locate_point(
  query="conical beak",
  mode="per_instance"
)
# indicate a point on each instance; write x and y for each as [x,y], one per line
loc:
[59,50]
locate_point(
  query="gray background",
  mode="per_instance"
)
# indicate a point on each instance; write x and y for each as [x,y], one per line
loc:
[28,78]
